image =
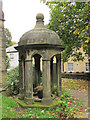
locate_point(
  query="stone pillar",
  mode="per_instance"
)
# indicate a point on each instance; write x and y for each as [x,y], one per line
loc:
[28,82]
[3,72]
[59,74]
[46,81]
[21,94]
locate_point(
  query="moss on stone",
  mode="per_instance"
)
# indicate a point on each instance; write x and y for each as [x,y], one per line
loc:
[36,104]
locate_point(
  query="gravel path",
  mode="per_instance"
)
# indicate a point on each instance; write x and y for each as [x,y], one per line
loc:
[81,95]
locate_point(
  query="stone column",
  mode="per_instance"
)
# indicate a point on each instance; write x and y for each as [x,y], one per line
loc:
[59,74]
[21,95]
[3,72]
[46,82]
[28,82]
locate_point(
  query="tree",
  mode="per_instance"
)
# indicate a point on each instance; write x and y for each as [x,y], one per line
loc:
[8,44]
[8,37]
[7,62]
[71,22]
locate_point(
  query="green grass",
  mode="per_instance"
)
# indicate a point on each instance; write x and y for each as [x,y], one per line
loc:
[0,106]
[8,107]
[37,104]
[66,107]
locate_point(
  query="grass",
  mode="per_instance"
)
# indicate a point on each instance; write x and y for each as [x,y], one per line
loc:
[8,107]
[66,108]
[0,106]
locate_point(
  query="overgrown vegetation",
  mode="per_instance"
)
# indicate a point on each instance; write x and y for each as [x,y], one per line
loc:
[7,62]
[54,89]
[13,81]
[65,109]
[70,20]
[8,36]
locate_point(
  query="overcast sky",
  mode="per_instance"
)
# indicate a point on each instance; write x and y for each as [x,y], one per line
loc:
[20,15]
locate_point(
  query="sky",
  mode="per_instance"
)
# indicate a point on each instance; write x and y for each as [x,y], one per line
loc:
[20,16]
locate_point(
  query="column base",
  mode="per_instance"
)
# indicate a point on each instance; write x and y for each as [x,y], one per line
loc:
[46,101]
[29,100]
[21,96]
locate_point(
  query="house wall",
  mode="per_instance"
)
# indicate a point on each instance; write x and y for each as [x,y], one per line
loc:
[79,66]
[13,55]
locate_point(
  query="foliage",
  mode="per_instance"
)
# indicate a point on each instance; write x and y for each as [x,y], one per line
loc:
[8,107]
[71,22]
[8,38]
[13,81]
[54,89]
[7,62]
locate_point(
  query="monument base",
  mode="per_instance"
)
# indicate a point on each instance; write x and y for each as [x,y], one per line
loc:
[21,96]
[46,101]
[29,100]
[23,104]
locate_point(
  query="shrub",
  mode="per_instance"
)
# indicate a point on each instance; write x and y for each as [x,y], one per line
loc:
[13,81]
[7,62]
[54,89]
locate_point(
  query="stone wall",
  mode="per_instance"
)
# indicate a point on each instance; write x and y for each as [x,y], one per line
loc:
[2,48]
[84,76]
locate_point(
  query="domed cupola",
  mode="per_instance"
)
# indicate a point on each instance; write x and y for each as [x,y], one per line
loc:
[40,35]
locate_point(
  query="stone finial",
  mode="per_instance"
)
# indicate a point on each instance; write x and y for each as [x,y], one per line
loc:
[40,17]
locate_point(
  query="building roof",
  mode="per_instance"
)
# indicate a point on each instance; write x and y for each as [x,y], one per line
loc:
[11,49]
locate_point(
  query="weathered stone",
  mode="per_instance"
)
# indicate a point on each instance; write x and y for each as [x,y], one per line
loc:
[28,81]
[2,49]
[38,43]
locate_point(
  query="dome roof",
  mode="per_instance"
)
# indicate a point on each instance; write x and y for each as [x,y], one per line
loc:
[40,35]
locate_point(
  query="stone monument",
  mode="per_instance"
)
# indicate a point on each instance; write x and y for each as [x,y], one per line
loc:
[38,43]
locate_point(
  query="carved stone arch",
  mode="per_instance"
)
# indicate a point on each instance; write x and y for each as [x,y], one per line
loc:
[54,53]
[35,53]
